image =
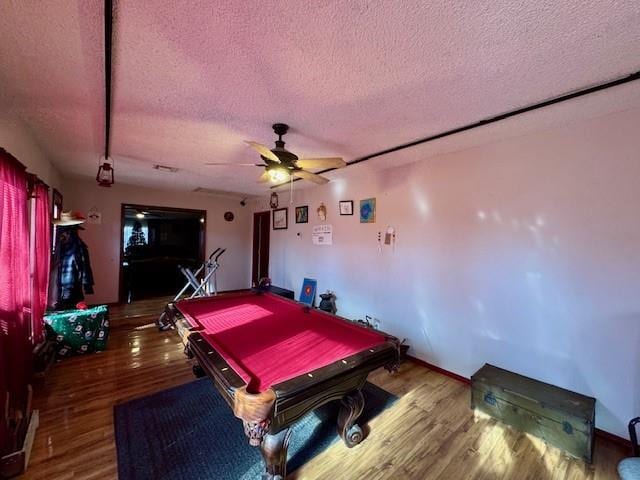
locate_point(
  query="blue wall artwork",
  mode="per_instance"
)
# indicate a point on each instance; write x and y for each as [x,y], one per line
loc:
[368,210]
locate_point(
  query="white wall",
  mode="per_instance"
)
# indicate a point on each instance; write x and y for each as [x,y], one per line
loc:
[17,139]
[523,253]
[103,240]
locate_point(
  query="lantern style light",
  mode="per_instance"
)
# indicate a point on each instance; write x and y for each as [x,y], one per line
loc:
[273,200]
[105,172]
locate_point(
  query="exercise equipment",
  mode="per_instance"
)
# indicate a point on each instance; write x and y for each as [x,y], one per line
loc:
[200,281]
[203,287]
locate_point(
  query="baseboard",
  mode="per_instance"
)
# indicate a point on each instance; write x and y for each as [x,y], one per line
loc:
[603,435]
[435,368]
[613,438]
[108,304]
[118,303]
[236,290]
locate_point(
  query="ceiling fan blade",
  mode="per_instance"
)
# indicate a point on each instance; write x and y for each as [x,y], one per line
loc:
[263,150]
[312,177]
[264,178]
[238,164]
[336,162]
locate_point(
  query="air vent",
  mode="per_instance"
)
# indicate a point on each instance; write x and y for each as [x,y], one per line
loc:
[220,193]
[164,168]
[209,191]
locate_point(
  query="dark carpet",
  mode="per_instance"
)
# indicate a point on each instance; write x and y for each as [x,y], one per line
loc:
[189,432]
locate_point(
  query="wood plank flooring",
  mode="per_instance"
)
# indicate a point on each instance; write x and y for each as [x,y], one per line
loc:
[429,433]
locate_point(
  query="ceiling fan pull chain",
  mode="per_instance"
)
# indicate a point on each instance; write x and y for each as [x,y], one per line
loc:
[291,191]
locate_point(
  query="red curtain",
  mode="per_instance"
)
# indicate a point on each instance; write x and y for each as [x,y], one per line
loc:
[40,261]
[15,346]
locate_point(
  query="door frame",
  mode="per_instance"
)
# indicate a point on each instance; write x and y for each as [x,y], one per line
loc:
[255,247]
[124,206]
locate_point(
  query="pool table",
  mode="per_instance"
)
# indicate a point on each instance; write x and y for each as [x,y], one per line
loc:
[274,359]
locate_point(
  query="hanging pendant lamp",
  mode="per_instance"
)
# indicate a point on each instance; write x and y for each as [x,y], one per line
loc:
[105,175]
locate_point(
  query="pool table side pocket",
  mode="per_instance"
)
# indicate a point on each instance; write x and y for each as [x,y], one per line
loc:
[384,355]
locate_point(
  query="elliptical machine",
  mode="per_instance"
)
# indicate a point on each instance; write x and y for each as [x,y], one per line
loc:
[206,286]
[203,287]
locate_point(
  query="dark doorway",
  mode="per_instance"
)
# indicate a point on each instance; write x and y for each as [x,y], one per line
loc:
[261,232]
[154,241]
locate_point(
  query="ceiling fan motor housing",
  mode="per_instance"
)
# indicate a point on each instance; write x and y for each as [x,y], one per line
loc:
[280,164]
[287,158]
[280,129]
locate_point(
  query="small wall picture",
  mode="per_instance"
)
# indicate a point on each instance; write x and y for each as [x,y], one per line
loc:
[322,212]
[94,216]
[368,210]
[346,207]
[280,218]
[56,205]
[302,214]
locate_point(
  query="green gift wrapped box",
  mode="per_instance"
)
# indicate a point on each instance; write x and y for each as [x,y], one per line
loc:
[78,331]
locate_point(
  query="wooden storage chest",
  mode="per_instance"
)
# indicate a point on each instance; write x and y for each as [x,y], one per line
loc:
[560,417]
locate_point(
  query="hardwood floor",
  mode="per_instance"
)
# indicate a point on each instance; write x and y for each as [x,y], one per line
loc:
[429,433]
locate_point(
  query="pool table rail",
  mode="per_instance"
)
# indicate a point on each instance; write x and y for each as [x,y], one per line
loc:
[284,403]
[331,381]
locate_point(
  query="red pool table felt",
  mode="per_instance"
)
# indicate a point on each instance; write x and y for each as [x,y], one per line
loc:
[268,339]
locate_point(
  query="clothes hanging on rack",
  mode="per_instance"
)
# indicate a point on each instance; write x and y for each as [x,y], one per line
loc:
[74,275]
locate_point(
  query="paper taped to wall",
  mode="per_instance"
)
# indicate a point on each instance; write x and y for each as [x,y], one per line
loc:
[322,235]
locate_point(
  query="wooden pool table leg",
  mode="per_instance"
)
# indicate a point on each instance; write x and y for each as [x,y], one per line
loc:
[350,409]
[274,452]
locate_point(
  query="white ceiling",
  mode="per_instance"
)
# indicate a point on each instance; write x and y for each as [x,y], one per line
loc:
[193,79]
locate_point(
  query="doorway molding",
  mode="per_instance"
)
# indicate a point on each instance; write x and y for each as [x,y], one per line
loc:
[260,248]
[136,206]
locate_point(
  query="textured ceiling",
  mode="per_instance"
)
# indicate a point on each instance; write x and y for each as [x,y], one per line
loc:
[193,79]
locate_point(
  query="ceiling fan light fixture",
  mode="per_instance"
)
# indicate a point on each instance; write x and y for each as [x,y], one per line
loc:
[277,175]
[280,165]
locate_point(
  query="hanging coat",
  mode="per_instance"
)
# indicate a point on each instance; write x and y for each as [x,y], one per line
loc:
[75,277]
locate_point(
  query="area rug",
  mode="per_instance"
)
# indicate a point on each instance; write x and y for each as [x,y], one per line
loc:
[189,432]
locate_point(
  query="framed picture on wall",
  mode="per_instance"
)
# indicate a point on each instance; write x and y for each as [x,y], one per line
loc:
[56,211]
[368,210]
[346,207]
[302,214]
[280,218]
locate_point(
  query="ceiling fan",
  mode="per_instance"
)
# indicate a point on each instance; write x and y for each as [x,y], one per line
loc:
[281,165]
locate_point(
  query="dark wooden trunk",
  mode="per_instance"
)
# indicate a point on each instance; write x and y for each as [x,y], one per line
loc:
[560,417]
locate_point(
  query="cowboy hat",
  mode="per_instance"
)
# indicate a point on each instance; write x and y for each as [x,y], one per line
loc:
[69,218]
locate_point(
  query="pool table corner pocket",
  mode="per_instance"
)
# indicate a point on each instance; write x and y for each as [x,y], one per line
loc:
[255,410]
